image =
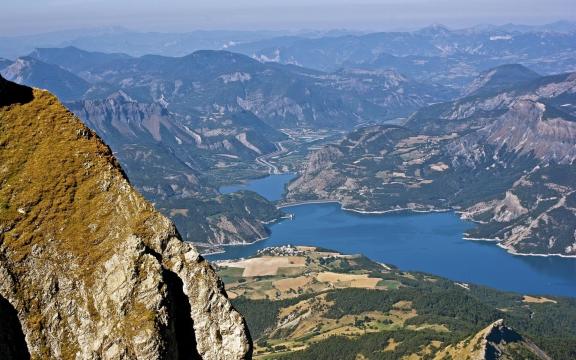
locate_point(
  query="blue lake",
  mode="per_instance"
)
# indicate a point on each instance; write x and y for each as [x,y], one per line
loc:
[271,187]
[430,243]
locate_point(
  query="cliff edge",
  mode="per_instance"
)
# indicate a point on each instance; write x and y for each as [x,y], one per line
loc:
[88,268]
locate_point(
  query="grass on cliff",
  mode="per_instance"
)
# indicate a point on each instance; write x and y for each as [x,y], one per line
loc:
[61,187]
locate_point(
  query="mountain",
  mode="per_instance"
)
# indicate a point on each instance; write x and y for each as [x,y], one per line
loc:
[282,96]
[388,89]
[135,43]
[504,159]
[207,81]
[166,157]
[430,53]
[455,71]
[32,72]
[73,59]
[88,267]
[501,78]
[193,138]
[562,26]
[302,302]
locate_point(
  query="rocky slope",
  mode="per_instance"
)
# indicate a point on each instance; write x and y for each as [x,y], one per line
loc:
[89,267]
[496,341]
[505,158]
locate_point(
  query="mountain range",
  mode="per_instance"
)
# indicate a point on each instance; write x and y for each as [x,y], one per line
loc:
[212,110]
[480,154]
[281,95]
[138,43]
[503,156]
[436,52]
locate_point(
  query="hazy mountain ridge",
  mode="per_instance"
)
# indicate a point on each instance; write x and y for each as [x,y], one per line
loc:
[500,79]
[27,70]
[282,96]
[136,43]
[434,53]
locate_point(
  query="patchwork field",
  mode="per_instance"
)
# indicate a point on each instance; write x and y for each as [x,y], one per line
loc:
[265,266]
[311,303]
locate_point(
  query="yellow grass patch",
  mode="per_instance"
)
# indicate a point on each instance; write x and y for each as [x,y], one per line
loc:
[294,283]
[537,300]
[392,345]
[351,280]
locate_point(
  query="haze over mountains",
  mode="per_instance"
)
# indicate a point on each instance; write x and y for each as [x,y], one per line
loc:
[201,117]
[138,43]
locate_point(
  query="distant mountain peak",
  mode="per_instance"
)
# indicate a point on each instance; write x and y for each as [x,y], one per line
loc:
[30,71]
[501,78]
[434,30]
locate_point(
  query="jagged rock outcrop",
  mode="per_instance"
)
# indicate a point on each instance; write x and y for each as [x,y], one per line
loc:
[91,269]
[495,342]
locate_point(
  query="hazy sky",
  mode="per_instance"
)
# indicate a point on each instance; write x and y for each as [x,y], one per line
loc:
[32,16]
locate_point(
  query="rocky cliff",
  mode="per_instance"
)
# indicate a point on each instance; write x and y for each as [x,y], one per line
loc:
[88,268]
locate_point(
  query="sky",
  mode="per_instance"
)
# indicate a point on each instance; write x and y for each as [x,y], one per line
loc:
[18,17]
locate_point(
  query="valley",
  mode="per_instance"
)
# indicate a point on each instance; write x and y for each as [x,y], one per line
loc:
[288,180]
[433,243]
[306,302]
[502,157]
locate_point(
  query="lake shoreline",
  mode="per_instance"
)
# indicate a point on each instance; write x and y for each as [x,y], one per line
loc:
[329,227]
[417,211]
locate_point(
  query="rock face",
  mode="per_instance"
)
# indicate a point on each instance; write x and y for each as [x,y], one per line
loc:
[89,267]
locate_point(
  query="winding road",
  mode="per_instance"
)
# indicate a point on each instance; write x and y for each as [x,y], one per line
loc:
[263,160]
